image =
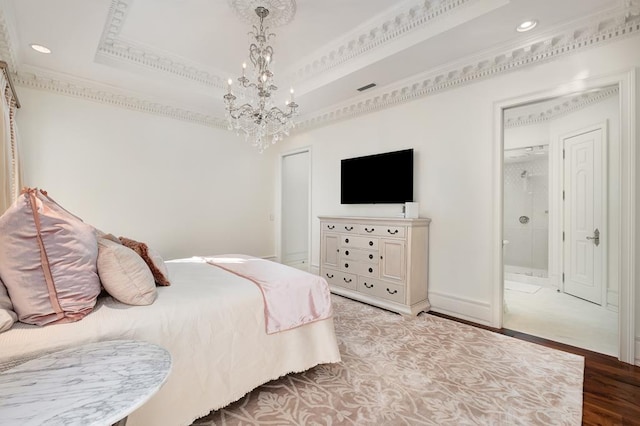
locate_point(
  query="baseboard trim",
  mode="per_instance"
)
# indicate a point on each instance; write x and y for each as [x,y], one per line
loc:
[273,257]
[638,351]
[463,308]
[315,269]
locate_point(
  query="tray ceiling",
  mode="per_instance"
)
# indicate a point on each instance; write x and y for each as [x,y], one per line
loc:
[179,53]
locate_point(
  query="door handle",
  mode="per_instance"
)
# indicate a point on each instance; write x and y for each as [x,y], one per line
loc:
[596,237]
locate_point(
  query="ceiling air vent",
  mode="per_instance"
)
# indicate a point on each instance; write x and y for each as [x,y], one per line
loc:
[368,86]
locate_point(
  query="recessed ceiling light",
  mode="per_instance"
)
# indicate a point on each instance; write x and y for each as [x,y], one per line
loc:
[527,25]
[40,48]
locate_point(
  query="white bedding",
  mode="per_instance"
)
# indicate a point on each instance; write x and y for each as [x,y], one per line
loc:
[212,323]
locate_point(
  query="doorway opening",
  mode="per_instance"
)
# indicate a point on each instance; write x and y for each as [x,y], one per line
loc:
[295,209]
[559,165]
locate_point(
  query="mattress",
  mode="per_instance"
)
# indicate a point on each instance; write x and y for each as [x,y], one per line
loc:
[212,323]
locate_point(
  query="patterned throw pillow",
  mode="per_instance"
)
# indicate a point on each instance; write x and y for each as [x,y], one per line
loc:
[152,258]
[47,260]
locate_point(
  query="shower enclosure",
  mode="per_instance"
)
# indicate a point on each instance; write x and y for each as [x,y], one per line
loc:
[526,214]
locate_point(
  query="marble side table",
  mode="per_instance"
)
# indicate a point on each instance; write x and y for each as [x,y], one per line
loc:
[94,384]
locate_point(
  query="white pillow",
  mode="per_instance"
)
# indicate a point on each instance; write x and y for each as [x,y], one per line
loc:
[7,316]
[124,274]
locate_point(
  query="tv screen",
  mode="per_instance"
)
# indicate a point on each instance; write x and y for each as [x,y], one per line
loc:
[377,179]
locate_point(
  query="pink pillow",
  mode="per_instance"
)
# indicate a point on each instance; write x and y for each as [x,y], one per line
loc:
[47,261]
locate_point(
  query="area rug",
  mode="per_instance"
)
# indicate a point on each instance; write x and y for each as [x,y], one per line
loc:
[424,370]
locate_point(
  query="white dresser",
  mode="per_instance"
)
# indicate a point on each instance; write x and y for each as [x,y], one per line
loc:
[380,261]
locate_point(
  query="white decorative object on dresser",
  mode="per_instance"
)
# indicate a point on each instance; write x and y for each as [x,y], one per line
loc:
[380,261]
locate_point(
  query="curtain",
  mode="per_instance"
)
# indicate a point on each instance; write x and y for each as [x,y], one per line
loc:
[11,172]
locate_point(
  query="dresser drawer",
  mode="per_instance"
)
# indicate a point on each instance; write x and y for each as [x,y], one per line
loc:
[382,230]
[359,255]
[339,227]
[340,279]
[382,289]
[360,268]
[359,242]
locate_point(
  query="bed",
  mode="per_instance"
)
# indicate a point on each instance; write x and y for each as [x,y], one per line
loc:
[212,322]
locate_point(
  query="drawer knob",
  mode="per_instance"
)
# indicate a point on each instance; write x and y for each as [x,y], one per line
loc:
[369,230]
[346,241]
[347,280]
[370,243]
[346,253]
[370,270]
[369,285]
[346,265]
[370,256]
[329,276]
[331,227]
[392,292]
[395,231]
[348,228]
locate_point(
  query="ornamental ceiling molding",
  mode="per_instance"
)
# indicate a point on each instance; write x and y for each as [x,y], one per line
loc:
[281,12]
[399,22]
[561,108]
[113,47]
[609,27]
[106,95]
[386,29]
[7,51]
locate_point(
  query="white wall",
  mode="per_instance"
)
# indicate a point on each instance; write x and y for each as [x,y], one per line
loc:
[183,188]
[452,133]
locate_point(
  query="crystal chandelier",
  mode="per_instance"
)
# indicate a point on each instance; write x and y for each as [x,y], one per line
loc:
[260,121]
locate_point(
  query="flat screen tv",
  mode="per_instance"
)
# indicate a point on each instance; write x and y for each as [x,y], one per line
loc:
[377,179]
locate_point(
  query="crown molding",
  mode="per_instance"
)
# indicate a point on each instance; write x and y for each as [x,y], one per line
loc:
[561,108]
[599,30]
[114,48]
[107,95]
[7,38]
[595,32]
[408,17]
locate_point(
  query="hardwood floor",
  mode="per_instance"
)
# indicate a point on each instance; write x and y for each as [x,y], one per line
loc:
[611,394]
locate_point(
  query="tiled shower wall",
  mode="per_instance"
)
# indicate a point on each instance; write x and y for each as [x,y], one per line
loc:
[526,193]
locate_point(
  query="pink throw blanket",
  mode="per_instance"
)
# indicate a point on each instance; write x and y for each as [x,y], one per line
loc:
[291,297]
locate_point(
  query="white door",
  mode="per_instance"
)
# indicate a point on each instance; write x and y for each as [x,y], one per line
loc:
[584,215]
[295,210]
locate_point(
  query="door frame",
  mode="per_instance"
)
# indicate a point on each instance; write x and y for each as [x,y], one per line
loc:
[626,205]
[604,227]
[280,228]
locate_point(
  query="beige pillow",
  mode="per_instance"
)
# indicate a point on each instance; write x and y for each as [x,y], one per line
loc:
[124,274]
[47,260]
[152,258]
[7,316]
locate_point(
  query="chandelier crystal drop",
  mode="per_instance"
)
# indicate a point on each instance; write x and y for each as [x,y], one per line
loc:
[261,122]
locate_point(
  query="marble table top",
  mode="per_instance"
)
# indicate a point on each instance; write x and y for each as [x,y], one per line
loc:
[94,384]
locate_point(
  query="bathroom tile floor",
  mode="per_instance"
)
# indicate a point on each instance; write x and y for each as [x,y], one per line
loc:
[562,318]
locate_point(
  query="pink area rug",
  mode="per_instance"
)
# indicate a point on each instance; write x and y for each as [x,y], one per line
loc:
[423,370]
